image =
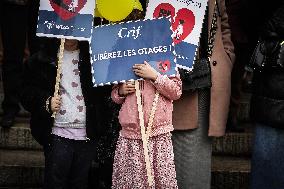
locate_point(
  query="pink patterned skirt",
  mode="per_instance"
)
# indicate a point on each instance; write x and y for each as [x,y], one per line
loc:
[129,169]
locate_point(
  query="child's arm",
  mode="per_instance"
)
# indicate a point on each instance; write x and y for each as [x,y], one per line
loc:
[170,88]
[119,92]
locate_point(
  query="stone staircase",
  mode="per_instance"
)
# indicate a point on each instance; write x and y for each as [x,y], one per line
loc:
[231,154]
[22,160]
[21,157]
[231,161]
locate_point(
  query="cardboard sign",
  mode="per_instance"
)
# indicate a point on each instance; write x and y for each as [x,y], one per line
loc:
[71,19]
[116,48]
[187,19]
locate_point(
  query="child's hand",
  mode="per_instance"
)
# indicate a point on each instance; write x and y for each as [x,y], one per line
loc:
[145,71]
[126,88]
[55,103]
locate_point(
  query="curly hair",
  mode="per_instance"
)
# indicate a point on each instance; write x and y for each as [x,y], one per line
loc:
[135,15]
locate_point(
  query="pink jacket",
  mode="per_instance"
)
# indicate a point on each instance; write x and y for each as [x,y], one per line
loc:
[169,89]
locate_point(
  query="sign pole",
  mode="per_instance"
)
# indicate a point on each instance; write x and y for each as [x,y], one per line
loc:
[59,66]
[144,136]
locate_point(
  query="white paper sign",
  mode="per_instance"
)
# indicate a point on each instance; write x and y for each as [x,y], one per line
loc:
[72,19]
[187,20]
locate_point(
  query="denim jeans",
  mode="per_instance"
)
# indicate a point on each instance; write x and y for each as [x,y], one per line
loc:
[267,163]
[67,163]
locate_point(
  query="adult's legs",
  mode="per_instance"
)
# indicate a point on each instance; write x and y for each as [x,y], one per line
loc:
[267,165]
[192,151]
[14,39]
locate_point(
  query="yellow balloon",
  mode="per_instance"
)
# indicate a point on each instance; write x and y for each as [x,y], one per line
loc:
[137,5]
[97,13]
[115,10]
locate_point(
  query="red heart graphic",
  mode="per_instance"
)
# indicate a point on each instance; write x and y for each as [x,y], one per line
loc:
[164,9]
[67,9]
[182,25]
[164,66]
[67,1]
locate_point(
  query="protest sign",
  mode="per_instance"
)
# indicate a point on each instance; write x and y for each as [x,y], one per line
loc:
[71,19]
[116,48]
[187,19]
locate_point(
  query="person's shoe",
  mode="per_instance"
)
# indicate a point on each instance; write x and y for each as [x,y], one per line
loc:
[7,121]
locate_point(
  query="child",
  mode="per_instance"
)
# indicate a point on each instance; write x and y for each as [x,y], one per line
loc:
[68,139]
[129,164]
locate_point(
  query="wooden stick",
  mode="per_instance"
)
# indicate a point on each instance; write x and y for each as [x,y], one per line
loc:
[144,136]
[59,65]
[152,115]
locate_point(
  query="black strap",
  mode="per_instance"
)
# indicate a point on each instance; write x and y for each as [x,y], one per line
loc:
[213,29]
[204,37]
[207,42]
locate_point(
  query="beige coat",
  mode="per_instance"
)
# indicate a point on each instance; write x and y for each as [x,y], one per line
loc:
[186,108]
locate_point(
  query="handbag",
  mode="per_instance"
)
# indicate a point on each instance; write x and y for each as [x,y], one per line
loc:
[280,60]
[200,76]
[267,53]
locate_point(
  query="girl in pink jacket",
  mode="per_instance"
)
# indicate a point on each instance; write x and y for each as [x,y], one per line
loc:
[129,163]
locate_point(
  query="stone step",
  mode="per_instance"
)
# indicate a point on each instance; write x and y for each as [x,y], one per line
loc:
[25,169]
[236,144]
[19,137]
[230,172]
[243,113]
[21,168]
